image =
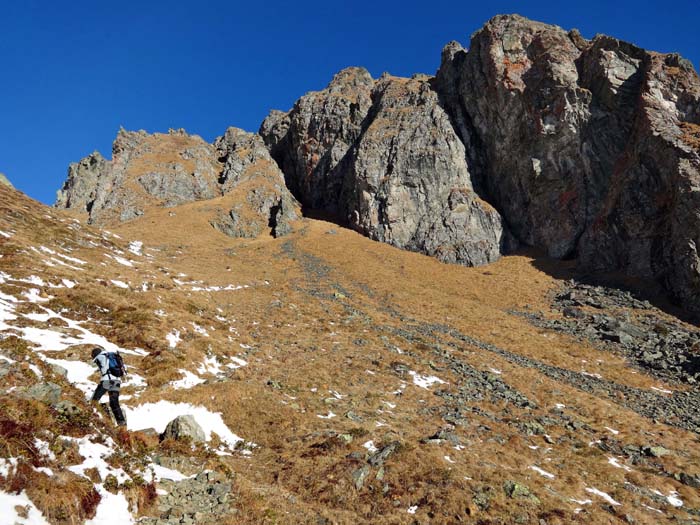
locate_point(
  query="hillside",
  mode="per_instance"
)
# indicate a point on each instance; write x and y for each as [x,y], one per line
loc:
[471,367]
[368,384]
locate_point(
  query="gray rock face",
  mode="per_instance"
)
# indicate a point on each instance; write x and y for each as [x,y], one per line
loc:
[249,171]
[407,183]
[588,149]
[79,191]
[184,427]
[310,140]
[158,169]
[174,169]
[384,157]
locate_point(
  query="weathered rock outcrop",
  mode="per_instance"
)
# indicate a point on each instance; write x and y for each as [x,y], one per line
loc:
[158,169]
[585,147]
[407,183]
[261,198]
[310,140]
[383,157]
[167,170]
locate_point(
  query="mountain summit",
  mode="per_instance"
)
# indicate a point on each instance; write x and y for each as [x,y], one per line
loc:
[535,137]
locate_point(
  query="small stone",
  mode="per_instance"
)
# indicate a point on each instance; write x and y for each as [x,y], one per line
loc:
[656,452]
[359,476]
[513,489]
[345,438]
[378,458]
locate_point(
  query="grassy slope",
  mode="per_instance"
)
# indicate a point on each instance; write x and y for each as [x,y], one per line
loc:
[328,311]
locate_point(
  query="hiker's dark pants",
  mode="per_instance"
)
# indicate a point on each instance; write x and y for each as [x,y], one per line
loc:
[113,391]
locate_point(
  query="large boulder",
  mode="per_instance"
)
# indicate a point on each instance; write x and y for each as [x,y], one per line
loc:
[184,427]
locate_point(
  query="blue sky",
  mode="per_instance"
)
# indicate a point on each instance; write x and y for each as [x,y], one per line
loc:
[72,72]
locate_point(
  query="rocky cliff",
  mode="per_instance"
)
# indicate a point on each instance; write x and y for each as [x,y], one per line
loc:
[586,149]
[168,170]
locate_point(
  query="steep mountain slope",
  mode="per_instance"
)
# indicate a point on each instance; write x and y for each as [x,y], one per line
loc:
[369,384]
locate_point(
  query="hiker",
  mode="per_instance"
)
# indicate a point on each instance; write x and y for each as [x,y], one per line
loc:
[111,369]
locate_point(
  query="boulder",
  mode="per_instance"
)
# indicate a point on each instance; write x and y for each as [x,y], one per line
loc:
[49,393]
[184,427]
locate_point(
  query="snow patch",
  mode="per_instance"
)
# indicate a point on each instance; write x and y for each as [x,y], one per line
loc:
[8,508]
[425,381]
[135,247]
[173,338]
[78,373]
[160,472]
[188,381]
[615,463]
[94,455]
[369,445]
[113,509]
[542,472]
[158,415]
[603,495]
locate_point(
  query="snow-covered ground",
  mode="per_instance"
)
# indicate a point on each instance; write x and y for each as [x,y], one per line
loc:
[158,415]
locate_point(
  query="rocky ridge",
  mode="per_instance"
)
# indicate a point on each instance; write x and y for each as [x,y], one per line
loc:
[586,149]
[174,169]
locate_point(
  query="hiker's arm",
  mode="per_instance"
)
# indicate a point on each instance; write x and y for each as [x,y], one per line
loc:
[102,364]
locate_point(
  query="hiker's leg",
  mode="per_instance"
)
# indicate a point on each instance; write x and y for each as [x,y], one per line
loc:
[99,392]
[116,409]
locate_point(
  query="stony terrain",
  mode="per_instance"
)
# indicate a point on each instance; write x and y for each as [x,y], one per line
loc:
[284,369]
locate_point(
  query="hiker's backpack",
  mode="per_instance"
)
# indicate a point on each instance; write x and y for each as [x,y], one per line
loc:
[116,364]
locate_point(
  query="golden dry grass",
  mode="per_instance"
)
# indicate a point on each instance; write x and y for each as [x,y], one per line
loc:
[319,326]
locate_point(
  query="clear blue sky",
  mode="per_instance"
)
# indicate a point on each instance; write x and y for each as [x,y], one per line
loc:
[72,72]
